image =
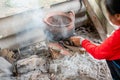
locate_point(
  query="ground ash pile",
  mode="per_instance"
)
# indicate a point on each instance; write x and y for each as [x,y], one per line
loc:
[36,63]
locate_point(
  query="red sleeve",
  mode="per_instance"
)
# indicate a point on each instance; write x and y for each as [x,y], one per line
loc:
[106,50]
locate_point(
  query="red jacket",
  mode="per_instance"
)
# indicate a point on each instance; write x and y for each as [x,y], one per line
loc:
[109,49]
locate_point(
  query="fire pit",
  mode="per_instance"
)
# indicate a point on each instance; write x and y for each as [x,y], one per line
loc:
[60,25]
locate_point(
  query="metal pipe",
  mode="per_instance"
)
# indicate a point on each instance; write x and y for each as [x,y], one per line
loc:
[68,6]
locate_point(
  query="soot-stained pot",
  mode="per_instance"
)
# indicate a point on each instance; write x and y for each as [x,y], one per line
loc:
[60,25]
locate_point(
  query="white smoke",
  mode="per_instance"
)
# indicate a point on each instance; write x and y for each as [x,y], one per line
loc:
[60,24]
[29,26]
[24,3]
[34,30]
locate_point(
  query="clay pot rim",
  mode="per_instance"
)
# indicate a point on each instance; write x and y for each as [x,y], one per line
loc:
[57,13]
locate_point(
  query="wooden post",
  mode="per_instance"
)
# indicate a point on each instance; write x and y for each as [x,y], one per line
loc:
[95,20]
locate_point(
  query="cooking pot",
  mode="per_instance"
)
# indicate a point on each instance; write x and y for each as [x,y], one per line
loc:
[60,25]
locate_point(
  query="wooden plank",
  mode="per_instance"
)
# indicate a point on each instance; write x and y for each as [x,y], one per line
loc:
[23,39]
[95,20]
[98,11]
[98,1]
[109,27]
[13,7]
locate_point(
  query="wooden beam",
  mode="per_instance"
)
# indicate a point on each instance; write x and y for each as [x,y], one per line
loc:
[23,39]
[95,20]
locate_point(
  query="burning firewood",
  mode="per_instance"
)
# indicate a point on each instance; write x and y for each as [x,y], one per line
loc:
[57,50]
[7,54]
[72,48]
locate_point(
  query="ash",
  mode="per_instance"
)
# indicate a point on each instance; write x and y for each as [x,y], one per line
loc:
[36,63]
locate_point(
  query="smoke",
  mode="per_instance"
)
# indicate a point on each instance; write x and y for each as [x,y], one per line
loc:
[59,26]
[24,3]
[34,30]
[62,22]
[28,25]
[5,68]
